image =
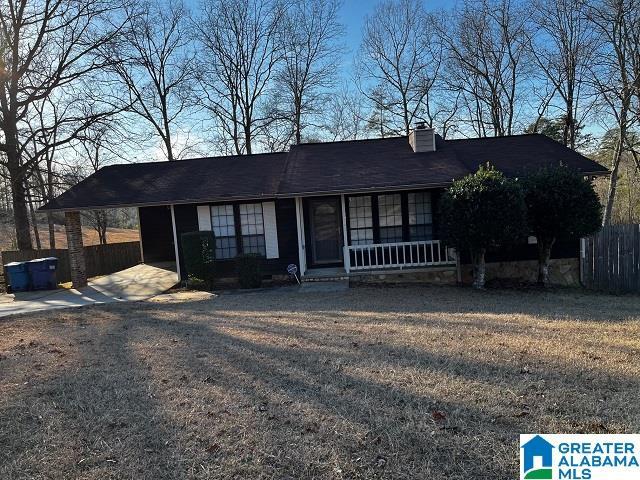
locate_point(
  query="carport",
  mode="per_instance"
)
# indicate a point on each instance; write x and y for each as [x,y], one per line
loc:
[158,239]
[157,243]
[173,198]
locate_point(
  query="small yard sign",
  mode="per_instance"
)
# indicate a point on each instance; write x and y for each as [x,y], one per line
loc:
[292,270]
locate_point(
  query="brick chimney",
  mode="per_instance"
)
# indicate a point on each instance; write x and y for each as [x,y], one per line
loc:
[422,138]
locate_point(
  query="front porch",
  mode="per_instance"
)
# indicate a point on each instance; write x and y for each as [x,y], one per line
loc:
[342,236]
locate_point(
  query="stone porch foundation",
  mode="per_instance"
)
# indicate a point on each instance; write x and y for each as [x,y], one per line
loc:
[563,272]
[434,276]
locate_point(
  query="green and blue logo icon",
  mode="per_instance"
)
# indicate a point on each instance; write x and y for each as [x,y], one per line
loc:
[580,457]
[537,459]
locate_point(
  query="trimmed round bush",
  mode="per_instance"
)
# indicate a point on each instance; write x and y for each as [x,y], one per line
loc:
[199,251]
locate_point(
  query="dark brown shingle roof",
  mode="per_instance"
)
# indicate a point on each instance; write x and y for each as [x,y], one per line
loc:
[182,181]
[366,164]
[516,154]
[314,168]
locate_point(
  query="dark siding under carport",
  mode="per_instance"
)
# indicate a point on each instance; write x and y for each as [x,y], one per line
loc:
[187,221]
[156,233]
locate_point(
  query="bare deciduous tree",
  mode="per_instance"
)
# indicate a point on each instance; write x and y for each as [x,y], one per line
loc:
[308,37]
[400,56]
[45,45]
[564,47]
[239,54]
[53,125]
[41,136]
[346,116]
[617,23]
[487,51]
[155,63]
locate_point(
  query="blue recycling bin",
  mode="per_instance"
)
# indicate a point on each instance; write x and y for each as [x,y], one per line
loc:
[43,273]
[18,273]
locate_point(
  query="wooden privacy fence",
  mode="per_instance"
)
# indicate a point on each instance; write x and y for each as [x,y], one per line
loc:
[100,259]
[610,259]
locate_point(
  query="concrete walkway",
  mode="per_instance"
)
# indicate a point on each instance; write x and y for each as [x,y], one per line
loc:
[135,283]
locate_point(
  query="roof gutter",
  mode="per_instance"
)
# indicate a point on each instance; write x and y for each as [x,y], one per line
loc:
[244,198]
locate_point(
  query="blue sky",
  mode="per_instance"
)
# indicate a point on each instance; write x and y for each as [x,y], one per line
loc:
[353,13]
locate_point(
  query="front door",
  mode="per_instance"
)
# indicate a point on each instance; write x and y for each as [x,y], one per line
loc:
[326,236]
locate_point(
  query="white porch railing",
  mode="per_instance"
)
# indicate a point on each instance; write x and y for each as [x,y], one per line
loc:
[400,255]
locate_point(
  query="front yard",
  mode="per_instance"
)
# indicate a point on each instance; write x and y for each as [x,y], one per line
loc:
[370,383]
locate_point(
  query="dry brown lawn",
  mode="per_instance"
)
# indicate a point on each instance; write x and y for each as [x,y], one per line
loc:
[371,383]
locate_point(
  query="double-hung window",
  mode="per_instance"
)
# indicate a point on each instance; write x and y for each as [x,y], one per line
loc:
[224,229]
[420,216]
[252,228]
[390,218]
[360,220]
[238,229]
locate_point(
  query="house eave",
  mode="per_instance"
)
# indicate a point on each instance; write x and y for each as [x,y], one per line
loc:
[263,197]
[189,201]
[192,201]
[357,190]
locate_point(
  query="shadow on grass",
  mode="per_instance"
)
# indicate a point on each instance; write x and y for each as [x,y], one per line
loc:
[553,304]
[233,388]
[95,418]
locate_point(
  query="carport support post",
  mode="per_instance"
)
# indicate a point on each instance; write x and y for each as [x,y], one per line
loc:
[73,226]
[175,243]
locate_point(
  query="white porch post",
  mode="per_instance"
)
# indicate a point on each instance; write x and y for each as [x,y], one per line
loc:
[345,249]
[175,242]
[302,259]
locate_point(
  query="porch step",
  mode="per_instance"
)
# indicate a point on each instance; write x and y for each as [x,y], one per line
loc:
[325,286]
[325,275]
[336,278]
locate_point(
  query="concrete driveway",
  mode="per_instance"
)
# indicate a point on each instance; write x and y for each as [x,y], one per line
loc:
[135,283]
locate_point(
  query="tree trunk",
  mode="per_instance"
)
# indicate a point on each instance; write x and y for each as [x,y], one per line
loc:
[167,145]
[52,231]
[613,179]
[103,227]
[17,180]
[20,212]
[297,126]
[477,258]
[34,221]
[167,141]
[247,139]
[544,255]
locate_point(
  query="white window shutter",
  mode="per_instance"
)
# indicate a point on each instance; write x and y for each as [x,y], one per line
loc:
[204,218]
[270,229]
